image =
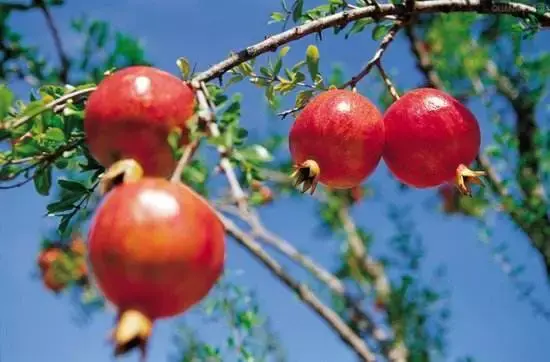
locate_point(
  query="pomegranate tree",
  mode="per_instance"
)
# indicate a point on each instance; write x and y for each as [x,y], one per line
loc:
[336,140]
[431,138]
[131,114]
[156,248]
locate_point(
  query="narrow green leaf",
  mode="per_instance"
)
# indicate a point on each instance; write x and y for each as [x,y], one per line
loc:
[184,66]
[277,17]
[284,51]
[358,26]
[312,59]
[380,31]
[298,10]
[43,180]
[74,186]
[6,100]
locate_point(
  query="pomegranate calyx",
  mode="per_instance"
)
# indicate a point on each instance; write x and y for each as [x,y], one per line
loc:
[465,177]
[306,173]
[132,330]
[123,171]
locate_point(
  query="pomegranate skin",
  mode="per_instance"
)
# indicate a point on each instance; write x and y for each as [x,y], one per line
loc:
[428,135]
[155,247]
[343,132]
[131,114]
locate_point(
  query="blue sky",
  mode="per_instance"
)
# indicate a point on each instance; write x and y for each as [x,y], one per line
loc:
[488,321]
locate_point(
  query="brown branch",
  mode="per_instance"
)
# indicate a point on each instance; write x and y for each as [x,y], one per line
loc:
[365,321]
[386,41]
[63,58]
[303,291]
[387,81]
[342,18]
[188,152]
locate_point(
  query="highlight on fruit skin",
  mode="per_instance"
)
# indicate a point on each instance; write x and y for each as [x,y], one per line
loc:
[156,249]
[131,114]
[336,140]
[430,139]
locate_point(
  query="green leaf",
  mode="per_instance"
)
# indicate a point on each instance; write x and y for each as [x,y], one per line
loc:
[256,153]
[312,59]
[6,100]
[277,17]
[65,204]
[358,26]
[302,98]
[298,10]
[380,31]
[284,51]
[55,134]
[184,66]
[74,186]
[43,180]
[27,148]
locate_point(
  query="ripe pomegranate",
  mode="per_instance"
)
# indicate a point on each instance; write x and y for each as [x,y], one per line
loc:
[336,140]
[156,248]
[430,139]
[131,114]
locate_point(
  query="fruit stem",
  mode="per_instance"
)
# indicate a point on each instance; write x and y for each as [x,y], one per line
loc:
[465,177]
[306,173]
[123,171]
[132,330]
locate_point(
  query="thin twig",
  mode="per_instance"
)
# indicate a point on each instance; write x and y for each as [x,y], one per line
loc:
[366,322]
[303,291]
[63,58]
[188,152]
[348,16]
[14,123]
[387,81]
[386,41]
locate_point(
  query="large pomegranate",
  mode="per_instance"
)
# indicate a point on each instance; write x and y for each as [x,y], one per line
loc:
[336,140]
[156,248]
[131,114]
[431,138]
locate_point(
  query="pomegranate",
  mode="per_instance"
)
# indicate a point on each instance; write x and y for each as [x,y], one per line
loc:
[47,257]
[430,139]
[52,281]
[131,114]
[156,248]
[336,140]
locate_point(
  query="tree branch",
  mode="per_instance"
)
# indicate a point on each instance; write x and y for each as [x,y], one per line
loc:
[347,16]
[63,58]
[14,123]
[304,292]
[376,57]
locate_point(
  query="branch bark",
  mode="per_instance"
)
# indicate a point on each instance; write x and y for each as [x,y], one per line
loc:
[347,16]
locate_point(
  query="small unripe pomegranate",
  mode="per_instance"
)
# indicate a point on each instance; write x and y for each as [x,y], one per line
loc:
[52,282]
[156,248]
[131,114]
[336,140]
[430,139]
[47,257]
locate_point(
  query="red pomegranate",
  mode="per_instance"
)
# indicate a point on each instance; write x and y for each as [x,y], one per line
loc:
[336,140]
[430,139]
[156,248]
[131,114]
